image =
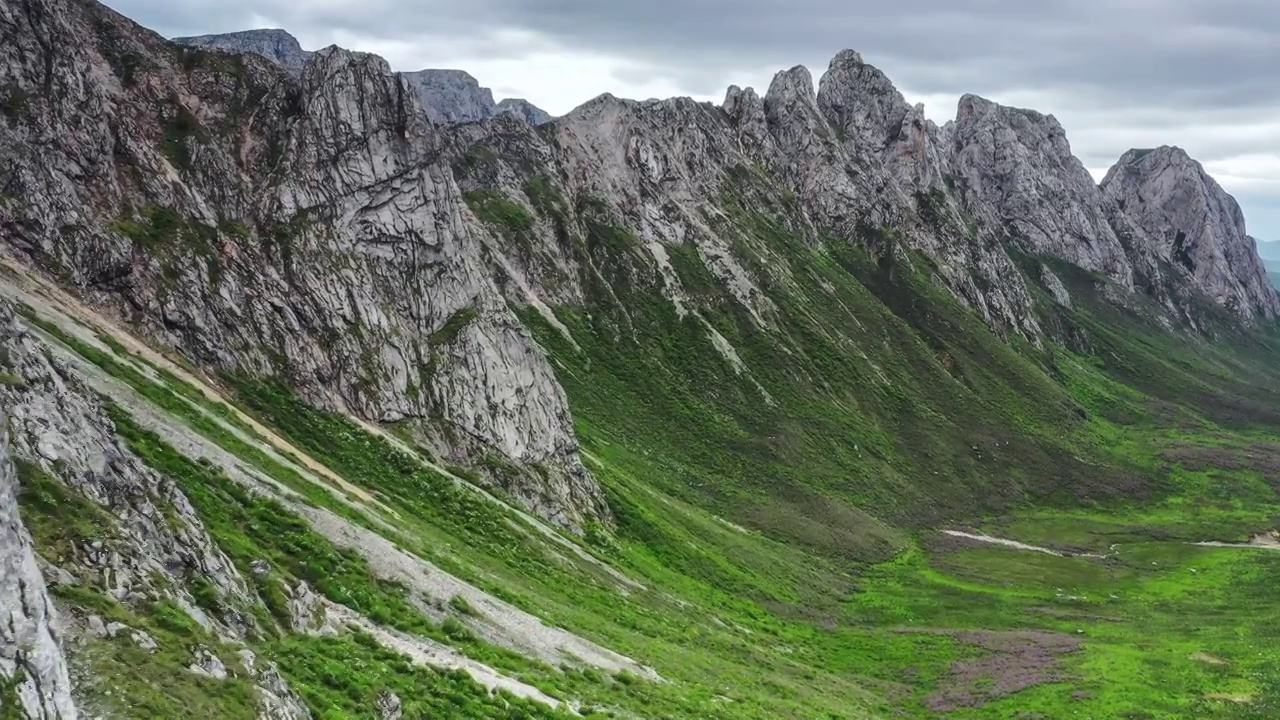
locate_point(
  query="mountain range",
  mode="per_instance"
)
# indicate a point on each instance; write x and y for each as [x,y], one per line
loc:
[332,391]
[446,95]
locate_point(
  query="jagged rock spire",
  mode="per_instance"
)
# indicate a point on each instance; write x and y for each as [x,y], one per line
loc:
[1020,176]
[1195,226]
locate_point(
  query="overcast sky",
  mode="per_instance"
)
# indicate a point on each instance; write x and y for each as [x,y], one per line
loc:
[1201,74]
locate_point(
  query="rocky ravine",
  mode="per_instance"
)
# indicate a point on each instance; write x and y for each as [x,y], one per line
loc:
[312,223]
[448,95]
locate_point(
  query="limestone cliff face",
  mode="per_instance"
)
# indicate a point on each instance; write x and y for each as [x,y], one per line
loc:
[1018,174]
[273,44]
[313,223]
[33,670]
[452,95]
[301,228]
[448,96]
[1194,226]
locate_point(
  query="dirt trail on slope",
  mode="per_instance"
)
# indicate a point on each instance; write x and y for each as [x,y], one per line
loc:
[1014,544]
[1261,541]
[51,302]
[501,623]
[438,655]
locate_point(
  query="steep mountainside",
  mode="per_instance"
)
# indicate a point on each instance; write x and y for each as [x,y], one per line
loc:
[321,404]
[301,229]
[449,96]
[1195,226]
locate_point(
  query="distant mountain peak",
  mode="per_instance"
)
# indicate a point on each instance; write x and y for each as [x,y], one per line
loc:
[274,44]
[1193,224]
[448,95]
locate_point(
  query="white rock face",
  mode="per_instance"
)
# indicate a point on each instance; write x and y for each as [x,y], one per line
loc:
[273,44]
[205,663]
[1056,288]
[1018,174]
[278,701]
[449,96]
[524,110]
[30,644]
[1195,227]
[337,249]
[390,706]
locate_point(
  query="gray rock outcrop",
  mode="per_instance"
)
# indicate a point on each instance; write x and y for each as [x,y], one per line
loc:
[524,110]
[273,44]
[1195,227]
[448,96]
[33,670]
[1017,174]
[452,95]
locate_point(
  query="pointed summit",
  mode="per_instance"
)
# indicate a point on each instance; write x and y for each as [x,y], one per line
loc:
[746,109]
[789,86]
[1195,226]
[860,102]
[1018,172]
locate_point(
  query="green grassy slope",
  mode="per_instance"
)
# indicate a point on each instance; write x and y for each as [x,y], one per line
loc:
[779,511]
[875,409]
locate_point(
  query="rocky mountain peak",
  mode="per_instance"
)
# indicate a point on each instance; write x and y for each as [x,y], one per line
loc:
[791,86]
[448,95]
[272,43]
[1194,225]
[1019,175]
[745,109]
[860,101]
[971,105]
[847,57]
[601,106]
[335,56]
[524,110]
[791,107]
[874,121]
[737,98]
